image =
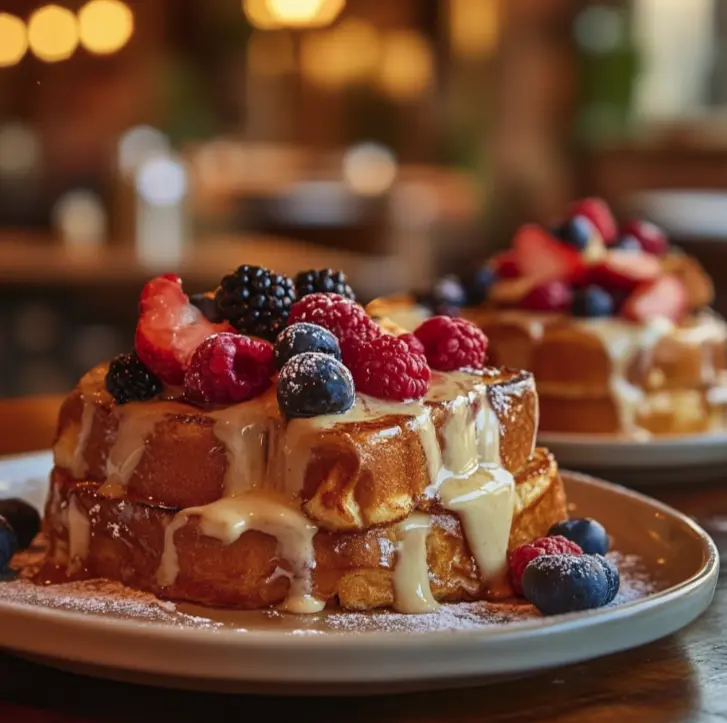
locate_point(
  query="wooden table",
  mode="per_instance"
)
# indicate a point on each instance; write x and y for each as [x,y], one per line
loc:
[680,679]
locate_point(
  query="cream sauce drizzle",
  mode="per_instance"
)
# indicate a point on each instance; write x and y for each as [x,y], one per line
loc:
[412,590]
[79,535]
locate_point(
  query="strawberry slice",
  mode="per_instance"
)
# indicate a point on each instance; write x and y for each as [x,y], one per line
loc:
[596,210]
[625,270]
[505,264]
[542,257]
[170,329]
[666,297]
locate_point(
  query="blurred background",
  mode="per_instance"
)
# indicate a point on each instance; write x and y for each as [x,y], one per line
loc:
[396,140]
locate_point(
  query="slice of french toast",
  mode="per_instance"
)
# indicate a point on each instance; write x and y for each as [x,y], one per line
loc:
[370,466]
[95,535]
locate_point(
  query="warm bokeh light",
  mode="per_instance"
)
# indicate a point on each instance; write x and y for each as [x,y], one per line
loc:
[13,40]
[407,65]
[305,13]
[53,33]
[473,27]
[20,152]
[105,25]
[346,54]
[139,144]
[259,15]
[270,53]
[369,169]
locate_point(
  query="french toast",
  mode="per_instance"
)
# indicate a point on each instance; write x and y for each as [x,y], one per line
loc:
[649,360]
[386,502]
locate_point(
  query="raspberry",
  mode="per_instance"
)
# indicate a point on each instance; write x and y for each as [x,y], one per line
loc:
[386,368]
[452,343]
[520,557]
[415,346]
[227,368]
[345,319]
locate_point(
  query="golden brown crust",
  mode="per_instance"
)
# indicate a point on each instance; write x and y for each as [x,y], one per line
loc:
[353,569]
[357,475]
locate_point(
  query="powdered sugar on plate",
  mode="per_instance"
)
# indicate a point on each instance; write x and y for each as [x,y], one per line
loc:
[109,598]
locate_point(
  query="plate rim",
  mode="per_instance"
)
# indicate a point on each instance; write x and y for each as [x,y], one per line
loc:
[252,640]
[606,441]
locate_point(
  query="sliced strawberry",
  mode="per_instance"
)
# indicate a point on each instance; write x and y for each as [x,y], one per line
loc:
[170,329]
[665,297]
[596,210]
[505,264]
[542,257]
[624,270]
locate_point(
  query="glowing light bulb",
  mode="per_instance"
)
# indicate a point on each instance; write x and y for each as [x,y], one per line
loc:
[53,33]
[13,40]
[304,13]
[105,25]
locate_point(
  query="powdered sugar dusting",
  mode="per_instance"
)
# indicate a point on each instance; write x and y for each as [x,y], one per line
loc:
[109,598]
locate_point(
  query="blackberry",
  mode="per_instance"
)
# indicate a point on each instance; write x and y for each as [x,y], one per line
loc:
[324,281]
[23,518]
[256,301]
[128,380]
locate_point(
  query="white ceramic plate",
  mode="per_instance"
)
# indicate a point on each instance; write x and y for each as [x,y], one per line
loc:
[664,460]
[104,630]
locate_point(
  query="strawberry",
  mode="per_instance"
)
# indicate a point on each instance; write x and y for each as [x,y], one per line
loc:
[505,264]
[650,237]
[624,270]
[596,210]
[169,329]
[542,257]
[665,297]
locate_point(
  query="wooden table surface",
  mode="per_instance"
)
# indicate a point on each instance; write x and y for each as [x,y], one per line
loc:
[680,679]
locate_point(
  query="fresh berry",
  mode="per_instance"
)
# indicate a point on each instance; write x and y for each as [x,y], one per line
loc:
[666,297]
[593,301]
[344,318]
[228,368]
[505,264]
[627,243]
[304,337]
[520,557]
[541,256]
[596,210]
[23,518]
[325,281]
[311,384]
[415,346]
[478,287]
[577,232]
[208,306]
[551,296]
[8,543]
[451,344]
[558,584]
[613,578]
[386,368]
[128,380]
[649,236]
[256,301]
[169,329]
[588,534]
[625,270]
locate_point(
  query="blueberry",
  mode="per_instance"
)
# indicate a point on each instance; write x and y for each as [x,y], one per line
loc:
[207,305]
[589,535]
[313,383]
[628,243]
[612,577]
[565,583]
[576,232]
[8,543]
[593,301]
[23,518]
[445,297]
[304,337]
[479,285]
